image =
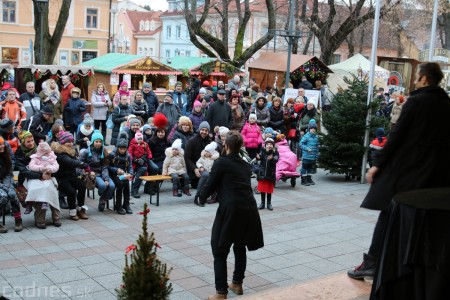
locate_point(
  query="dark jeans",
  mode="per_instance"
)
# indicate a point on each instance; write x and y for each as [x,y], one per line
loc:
[202,181]
[377,237]
[73,188]
[220,266]
[176,180]
[97,126]
[122,188]
[251,152]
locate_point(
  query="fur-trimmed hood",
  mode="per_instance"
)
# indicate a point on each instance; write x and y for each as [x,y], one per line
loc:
[58,149]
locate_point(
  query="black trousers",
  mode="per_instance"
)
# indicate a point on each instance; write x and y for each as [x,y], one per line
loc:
[97,126]
[75,189]
[220,266]
[377,237]
[122,188]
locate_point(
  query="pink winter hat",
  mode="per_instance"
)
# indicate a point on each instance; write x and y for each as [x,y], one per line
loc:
[138,136]
[197,103]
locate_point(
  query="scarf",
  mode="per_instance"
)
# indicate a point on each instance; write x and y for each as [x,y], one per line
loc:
[122,92]
[311,112]
[28,152]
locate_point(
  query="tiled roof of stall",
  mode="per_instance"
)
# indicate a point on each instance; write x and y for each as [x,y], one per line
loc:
[183,62]
[106,63]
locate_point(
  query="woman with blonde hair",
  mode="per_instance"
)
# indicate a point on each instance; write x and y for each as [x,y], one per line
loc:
[184,131]
[51,96]
[101,104]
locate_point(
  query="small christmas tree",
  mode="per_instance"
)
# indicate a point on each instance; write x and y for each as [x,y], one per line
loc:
[342,149]
[145,277]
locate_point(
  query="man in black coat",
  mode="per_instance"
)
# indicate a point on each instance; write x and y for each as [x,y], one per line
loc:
[193,150]
[219,113]
[37,124]
[151,98]
[416,155]
[237,219]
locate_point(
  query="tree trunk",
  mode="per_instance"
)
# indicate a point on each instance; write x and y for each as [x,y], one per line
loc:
[50,43]
[444,30]
[351,44]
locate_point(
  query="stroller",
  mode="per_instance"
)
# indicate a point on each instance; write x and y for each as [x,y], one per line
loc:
[287,163]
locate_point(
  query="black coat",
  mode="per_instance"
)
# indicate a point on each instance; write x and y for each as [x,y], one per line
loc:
[152,102]
[22,166]
[416,155]
[219,114]
[268,168]
[192,152]
[37,125]
[277,119]
[158,147]
[183,136]
[237,219]
[119,115]
[68,163]
[118,161]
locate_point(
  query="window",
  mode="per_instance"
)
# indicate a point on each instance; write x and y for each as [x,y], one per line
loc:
[167,53]
[152,25]
[188,53]
[88,55]
[9,11]
[91,18]
[140,50]
[336,58]
[178,31]
[169,31]
[150,52]
[177,52]
[141,26]
[147,25]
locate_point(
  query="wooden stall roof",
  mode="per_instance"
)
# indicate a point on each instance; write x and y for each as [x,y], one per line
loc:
[277,61]
[146,65]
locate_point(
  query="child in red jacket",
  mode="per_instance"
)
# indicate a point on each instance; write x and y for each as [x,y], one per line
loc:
[141,157]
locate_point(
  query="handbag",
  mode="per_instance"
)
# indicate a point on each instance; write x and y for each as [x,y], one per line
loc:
[109,122]
[22,194]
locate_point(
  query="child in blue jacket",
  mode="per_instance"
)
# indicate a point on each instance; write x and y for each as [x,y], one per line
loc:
[310,152]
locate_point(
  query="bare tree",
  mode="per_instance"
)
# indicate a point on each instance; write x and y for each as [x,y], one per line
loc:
[331,30]
[50,41]
[220,44]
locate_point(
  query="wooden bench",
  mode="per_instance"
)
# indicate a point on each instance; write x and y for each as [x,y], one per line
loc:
[158,179]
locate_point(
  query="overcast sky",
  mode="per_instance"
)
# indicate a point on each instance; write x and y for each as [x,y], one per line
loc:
[154,4]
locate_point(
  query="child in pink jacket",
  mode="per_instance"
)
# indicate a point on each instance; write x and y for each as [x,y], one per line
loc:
[251,134]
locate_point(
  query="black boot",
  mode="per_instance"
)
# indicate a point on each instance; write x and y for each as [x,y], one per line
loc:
[63,203]
[197,201]
[310,181]
[118,205]
[365,269]
[262,205]
[269,205]
[305,181]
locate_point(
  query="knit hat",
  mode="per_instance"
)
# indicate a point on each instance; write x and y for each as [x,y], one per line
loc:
[138,136]
[97,136]
[122,140]
[207,98]
[204,124]
[170,94]
[43,149]
[145,127]
[6,124]
[178,83]
[211,147]
[160,120]
[59,122]
[202,91]
[312,101]
[206,83]
[380,132]
[269,130]
[134,121]
[48,110]
[177,144]
[223,130]
[269,140]
[88,120]
[23,135]
[252,116]
[146,85]
[123,83]
[65,137]
[312,124]
[197,103]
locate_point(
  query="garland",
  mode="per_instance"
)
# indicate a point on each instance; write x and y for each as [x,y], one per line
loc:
[309,69]
[74,77]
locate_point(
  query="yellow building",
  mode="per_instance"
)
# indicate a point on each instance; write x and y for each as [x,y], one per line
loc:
[86,35]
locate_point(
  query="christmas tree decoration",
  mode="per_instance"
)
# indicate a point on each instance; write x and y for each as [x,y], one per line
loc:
[342,148]
[144,275]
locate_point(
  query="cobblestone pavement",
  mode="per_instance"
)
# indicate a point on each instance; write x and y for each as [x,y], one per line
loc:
[313,232]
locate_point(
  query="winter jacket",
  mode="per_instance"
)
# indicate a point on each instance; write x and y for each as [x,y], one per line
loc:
[184,102]
[287,163]
[237,218]
[118,161]
[252,136]
[310,146]
[174,164]
[262,115]
[99,109]
[277,119]
[376,146]
[304,121]
[207,162]
[219,114]
[65,94]
[96,163]
[68,163]
[37,126]
[139,151]
[267,167]
[237,118]
[196,119]
[15,111]
[158,147]
[83,133]
[38,164]
[171,111]
[73,111]
[183,136]
[140,109]
[395,113]
[22,166]
[152,102]
[32,104]
[305,84]
[119,115]
[415,155]
[193,151]
[52,98]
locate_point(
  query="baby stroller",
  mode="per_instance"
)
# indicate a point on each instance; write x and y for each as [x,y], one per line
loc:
[287,163]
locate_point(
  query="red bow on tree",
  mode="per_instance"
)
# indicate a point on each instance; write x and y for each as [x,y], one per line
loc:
[145,212]
[130,248]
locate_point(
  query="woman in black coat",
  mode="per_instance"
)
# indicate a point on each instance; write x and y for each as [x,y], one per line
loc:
[119,115]
[237,219]
[276,111]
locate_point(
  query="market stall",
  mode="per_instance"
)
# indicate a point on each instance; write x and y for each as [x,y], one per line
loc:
[270,69]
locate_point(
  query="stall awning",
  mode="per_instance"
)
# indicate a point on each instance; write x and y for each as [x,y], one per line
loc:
[108,62]
[146,66]
[278,62]
[55,68]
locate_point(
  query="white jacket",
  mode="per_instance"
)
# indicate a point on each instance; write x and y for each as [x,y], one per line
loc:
[174,164]
[207,162]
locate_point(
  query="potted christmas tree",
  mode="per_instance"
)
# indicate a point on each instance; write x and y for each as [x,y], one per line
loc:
[144,276]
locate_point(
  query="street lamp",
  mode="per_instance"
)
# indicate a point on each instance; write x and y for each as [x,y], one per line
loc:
[41,10]
[113,11]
